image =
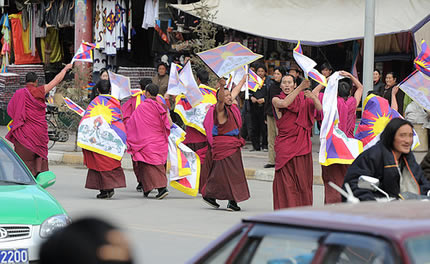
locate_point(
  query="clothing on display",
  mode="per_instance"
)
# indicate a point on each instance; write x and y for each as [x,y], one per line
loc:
[151,14]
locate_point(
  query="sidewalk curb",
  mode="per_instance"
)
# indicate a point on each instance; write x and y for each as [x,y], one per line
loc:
[77,159]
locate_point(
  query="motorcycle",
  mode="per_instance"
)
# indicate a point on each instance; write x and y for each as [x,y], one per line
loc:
[372,184]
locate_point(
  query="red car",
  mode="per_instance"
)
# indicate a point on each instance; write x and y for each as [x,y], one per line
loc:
[367,232]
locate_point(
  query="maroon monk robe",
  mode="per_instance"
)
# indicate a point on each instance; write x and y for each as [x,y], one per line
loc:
[104,173]
[29,132]
[147,133]
[292,185]
[226,179]
[127,110]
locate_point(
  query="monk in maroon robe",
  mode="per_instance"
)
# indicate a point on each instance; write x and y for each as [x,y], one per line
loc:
[148,130]
[29,129]
[226,179]
[294,111]
[104,173]
[127,110]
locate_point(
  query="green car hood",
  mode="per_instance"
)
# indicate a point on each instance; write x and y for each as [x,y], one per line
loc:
[26,204]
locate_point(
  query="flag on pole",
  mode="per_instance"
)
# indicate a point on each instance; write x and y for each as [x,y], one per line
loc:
[85,52]
[194,116]
[227,58]
[73,106]
[191,89]
[335,147]
[120,85]
[184,172]
[175,87]
[307,65]
[422,61]
[254,81]
[376,115]
[417,86]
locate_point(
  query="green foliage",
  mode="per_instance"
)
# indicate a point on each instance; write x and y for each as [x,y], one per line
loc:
[206,32]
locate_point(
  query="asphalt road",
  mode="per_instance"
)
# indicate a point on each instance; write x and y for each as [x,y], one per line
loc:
[171,230]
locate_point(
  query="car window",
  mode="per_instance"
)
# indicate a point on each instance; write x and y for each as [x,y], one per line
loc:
[276,244]
[222,254]
[418,249]
[11,169]
[344,248]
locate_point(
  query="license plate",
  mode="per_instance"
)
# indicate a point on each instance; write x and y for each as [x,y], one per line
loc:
[14,256]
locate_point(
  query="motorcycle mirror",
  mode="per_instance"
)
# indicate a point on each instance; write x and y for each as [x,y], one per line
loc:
[368,183]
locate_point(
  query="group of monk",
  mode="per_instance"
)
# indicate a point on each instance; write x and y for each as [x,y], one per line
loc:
[147,124]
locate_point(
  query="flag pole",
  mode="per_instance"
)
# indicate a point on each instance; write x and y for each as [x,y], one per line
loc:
[369,46]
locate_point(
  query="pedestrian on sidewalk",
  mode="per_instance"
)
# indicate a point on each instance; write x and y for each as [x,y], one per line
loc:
[127,110]
[272,130]
[148,130]
[294,112]
[28,128]
[226,179]
[104,173]
[259,127]
[346,107]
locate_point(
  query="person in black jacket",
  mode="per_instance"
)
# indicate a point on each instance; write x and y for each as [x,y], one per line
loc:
[273,90]
[392,162]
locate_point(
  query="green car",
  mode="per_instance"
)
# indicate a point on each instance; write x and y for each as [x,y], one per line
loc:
[28,213]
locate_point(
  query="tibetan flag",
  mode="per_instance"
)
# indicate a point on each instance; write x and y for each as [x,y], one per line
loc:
[10,125]
[254,81]
[140,97]
[73,106]
[307,65]
[417,86]
[335,147]
[175,86]
[101,129]
[191,89]
[227,58]
[85,52]
[184,172]
[376,115]
[50,100]
[120,85]
[422,61]
[194,116]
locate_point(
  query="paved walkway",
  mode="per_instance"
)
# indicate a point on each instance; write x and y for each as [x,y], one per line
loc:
[67,153]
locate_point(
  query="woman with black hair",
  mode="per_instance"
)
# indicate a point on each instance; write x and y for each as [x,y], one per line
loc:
[272,132]
[392,162]
[378,85]
[389,92]
[104,75]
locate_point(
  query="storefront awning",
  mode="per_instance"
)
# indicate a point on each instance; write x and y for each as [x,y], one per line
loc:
[314,22]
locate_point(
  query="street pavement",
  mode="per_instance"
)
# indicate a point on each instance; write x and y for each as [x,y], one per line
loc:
[171,230]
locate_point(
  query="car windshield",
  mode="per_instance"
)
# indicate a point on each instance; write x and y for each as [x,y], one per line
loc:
[12,170]
[418,249]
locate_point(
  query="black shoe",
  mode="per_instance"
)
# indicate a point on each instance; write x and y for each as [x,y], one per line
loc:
[162,192]
[269,166]
[139,187]
[212,202]
[105,194]
[145,194]
[232,206]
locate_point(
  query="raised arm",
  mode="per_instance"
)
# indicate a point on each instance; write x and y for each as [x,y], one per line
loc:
[317,89]
[317,103]
[58,78]
[284,103]
[236,90]
[359,92]
[220,95]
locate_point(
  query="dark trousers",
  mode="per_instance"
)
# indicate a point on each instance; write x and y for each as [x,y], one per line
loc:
[259,127]
[245,132]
